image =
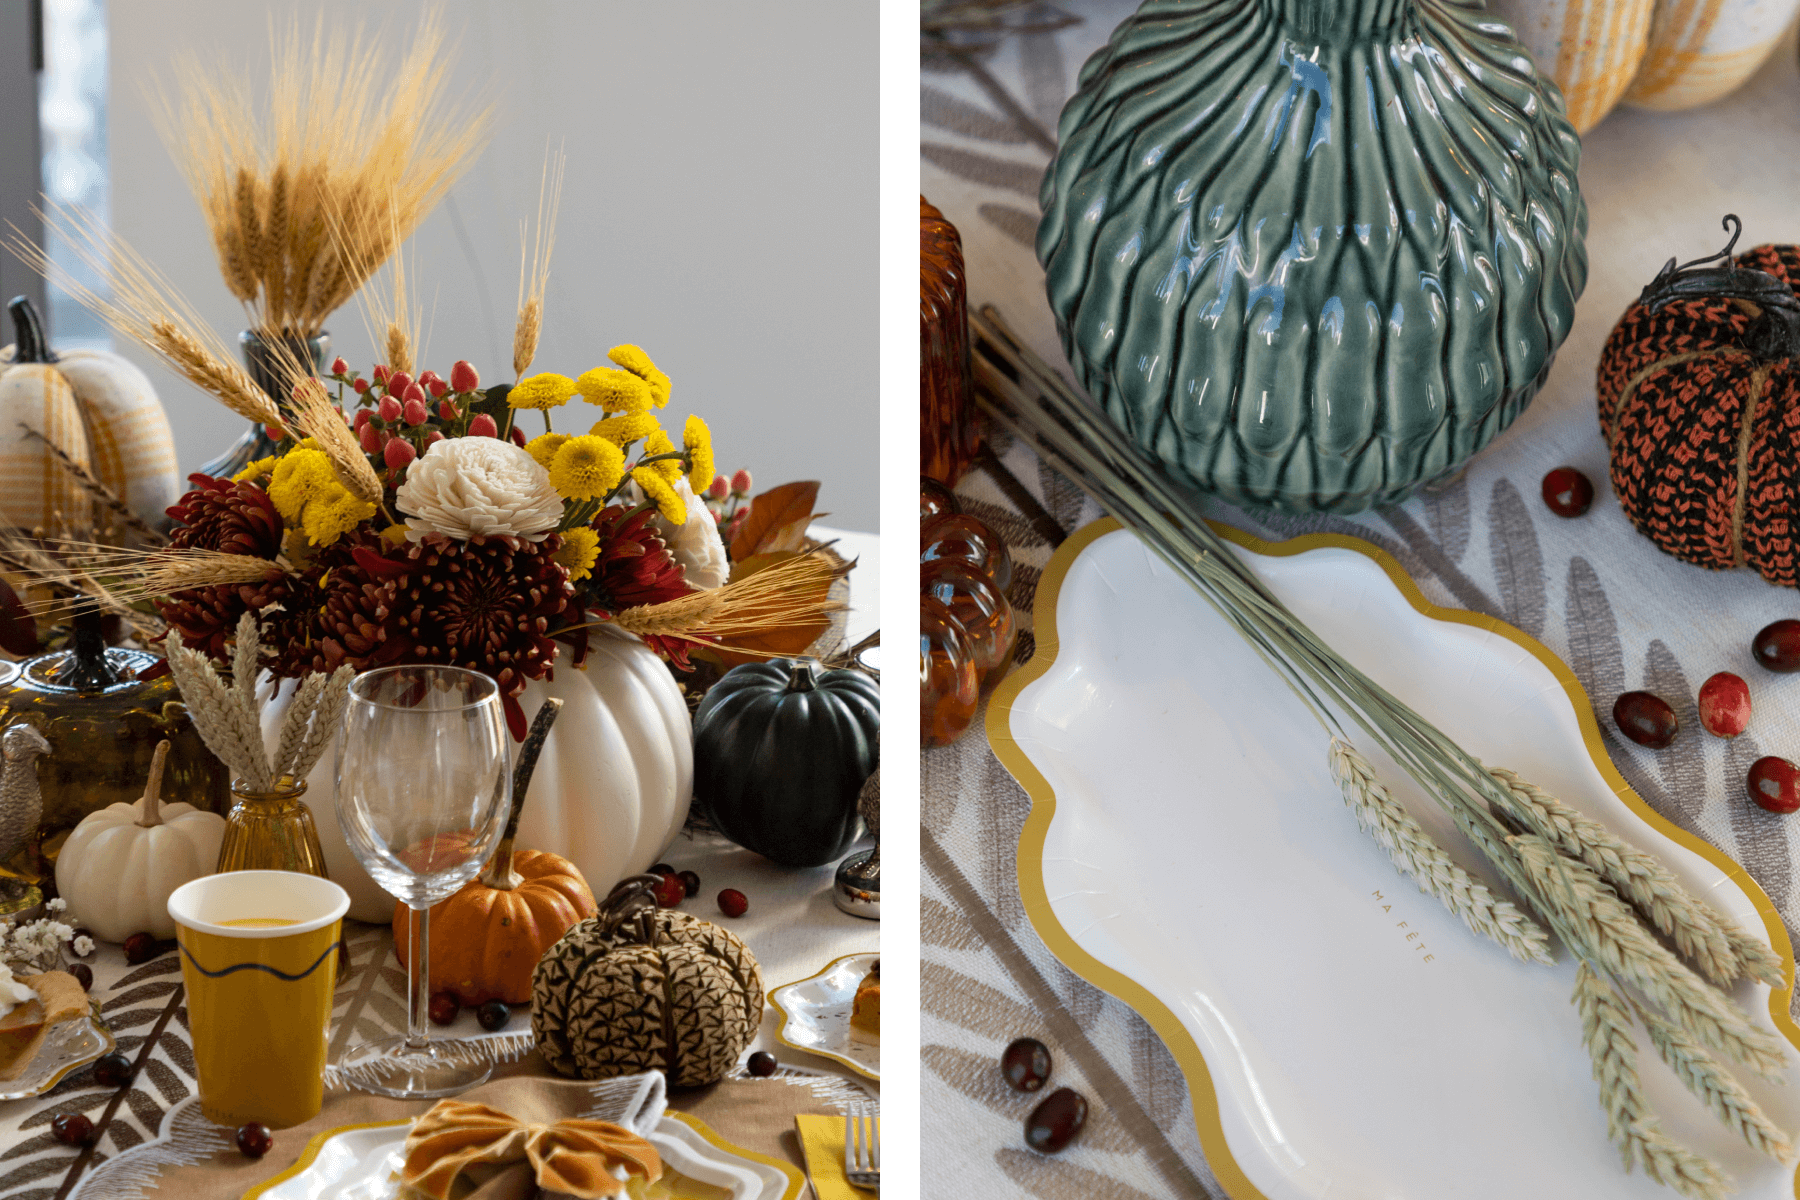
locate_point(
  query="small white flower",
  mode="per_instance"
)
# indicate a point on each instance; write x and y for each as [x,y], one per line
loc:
[478,486]
[84,945]
[57,905]
[60,931]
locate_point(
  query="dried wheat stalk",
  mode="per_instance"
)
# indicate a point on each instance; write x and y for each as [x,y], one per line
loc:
[1723,1096]
[103,495]
[311,720]
[1630,952]
[355,135]
[229,729]
[1696,930]
[320,420]
[534,266]
[1416,856]
[1630,1123]
[776,596]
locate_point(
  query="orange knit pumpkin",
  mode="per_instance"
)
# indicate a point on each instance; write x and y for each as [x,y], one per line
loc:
[487,938]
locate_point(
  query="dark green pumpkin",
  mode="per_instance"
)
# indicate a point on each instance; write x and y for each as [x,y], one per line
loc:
[781,749]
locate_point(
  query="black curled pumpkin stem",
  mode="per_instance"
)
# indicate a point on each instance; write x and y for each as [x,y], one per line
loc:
[632,897]
[500,873]
[1775,332]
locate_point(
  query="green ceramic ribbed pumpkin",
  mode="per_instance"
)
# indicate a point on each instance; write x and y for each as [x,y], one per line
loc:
[1313,253]
[781,749]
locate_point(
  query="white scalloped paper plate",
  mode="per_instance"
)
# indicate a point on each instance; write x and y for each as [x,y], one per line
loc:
[1342,1035]
[815,1015]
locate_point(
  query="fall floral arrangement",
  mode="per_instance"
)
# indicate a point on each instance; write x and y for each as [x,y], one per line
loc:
[410,520]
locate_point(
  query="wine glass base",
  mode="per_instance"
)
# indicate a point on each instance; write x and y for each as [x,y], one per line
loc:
[387,1067]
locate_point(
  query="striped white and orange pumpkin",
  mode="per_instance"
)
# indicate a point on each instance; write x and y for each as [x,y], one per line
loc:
[95,406]
[1592,48]
[1701,50]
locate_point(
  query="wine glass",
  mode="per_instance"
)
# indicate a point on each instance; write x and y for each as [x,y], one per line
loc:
[423,794]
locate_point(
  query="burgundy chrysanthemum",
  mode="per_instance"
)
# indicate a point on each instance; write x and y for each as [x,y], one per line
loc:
[635,567]
[236,518]
[488,604]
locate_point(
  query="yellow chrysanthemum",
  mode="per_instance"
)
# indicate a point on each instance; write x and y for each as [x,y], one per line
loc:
[615,391]
[255,470]
[625,428]
[544,447]
[586,468]
[297,478]
[633,359]
[580,549]
[662,493]
[545,391]
[332,514]
[659,443]
[697,439]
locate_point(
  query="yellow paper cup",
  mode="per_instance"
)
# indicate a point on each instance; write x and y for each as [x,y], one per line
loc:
[259,954]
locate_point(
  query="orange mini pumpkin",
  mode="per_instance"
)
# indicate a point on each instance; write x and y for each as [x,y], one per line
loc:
[486,939]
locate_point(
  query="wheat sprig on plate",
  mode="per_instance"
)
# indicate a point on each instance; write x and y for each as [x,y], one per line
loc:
[1630,1123]
[1610,931]
[1425,862]
[1652,887]
[1715,1088]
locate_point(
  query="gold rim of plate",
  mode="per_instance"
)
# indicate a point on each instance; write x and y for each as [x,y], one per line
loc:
[781,1029]
[1175,1036]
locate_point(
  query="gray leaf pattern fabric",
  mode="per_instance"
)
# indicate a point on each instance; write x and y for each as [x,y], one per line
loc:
[1622,615]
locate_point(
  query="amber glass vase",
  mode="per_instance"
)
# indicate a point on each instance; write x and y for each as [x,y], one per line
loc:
[271,831]
[948,437]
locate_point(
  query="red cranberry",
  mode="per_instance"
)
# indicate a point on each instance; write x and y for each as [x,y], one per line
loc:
[254,1139]
[493,1015]
[1568,492]
[662,869]
[112,1070]
[1646,719]
[1774,784]
[690,882]
[1777,646]
[1026,1064]
[1054,1123]
[1725,705]
[669,891]
[733,903]
[84,975]
[141,948]
[71,1129]
[761,1064]
[444,1007]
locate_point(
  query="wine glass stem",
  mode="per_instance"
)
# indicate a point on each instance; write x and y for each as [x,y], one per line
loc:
[418,979]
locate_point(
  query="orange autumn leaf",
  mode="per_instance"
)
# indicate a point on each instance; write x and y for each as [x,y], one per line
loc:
[772,520]
[783,640]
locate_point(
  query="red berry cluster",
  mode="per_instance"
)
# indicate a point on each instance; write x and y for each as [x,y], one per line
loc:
[398,417]
[1773,782]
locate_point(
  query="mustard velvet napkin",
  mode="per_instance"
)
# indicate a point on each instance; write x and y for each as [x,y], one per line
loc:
[822,1139]
[504,1152]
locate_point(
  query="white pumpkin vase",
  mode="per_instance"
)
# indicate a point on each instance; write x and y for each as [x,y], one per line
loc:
[121,864]
[612,785]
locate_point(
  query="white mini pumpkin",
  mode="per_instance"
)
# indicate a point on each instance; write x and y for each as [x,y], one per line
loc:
[120,865]
[612,785]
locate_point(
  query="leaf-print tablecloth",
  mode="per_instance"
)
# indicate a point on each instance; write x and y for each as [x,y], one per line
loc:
[1619,612]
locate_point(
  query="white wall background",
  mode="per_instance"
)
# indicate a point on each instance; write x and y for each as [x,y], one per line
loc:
[719,209]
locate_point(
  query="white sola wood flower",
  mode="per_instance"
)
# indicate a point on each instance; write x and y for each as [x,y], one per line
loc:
[478,486]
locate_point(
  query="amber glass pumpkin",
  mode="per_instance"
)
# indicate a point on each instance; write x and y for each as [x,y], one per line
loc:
[948,437]
[981,609]
[966,538]
[948,681]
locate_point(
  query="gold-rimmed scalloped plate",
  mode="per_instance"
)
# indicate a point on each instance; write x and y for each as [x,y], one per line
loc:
[1341,1034]
[815,1015]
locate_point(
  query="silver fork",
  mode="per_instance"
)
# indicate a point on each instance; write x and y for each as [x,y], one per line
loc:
[862,1151]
